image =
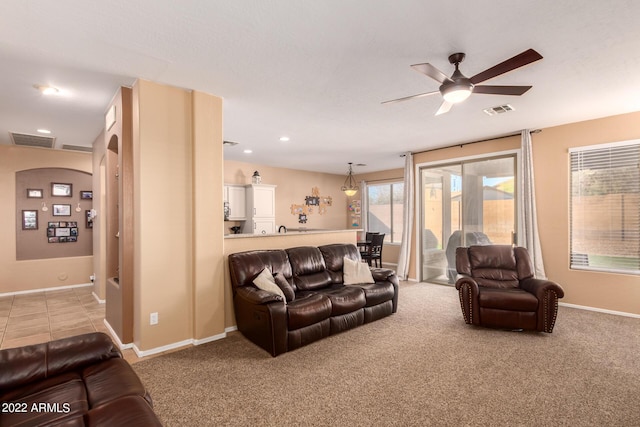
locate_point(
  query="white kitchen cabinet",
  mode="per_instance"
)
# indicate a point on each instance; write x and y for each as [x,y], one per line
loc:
[261,209]
[264,226]
[235,196]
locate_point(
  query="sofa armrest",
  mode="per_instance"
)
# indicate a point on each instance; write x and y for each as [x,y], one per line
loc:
[538,287]
[253,295]
[381,274]
[36,362]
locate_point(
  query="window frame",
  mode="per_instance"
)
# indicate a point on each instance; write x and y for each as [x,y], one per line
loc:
[390,184]
[578,260]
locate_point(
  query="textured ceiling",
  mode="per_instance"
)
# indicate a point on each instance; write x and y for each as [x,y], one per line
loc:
[317,71]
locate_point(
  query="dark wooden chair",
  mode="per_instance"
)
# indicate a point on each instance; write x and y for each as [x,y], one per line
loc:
[373,255]
[364,245]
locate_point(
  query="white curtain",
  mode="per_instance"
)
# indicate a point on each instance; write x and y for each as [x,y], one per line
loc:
[364,220]
[530,238]
[407,227]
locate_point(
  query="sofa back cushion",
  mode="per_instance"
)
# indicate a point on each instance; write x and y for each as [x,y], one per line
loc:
[495,266]
[333,258]
[244,267]
[40,361]
[308,268]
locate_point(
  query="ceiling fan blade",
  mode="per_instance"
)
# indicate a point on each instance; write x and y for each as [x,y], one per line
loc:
[520,60]
[444,108]
[501,90]
[432,72]
[406,98]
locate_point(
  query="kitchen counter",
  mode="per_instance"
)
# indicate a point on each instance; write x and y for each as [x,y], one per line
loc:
[290,232]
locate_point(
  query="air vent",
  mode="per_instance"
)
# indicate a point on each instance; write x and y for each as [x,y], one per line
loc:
[77,148]
[27,140]
[229,143]
[499,109]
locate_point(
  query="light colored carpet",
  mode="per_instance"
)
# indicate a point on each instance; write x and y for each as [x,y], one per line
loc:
[420,366]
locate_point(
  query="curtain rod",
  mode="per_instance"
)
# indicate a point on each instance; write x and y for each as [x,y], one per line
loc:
[474,142]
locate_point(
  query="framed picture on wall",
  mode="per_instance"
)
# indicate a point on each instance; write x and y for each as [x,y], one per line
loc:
[61,190]
[61,210]
[34,193]
[89,219]
[88,195]
[29,220]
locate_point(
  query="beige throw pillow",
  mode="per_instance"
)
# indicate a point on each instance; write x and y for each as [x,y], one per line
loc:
[266,282]
[356,273]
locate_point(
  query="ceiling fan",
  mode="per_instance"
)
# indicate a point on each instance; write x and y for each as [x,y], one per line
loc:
[457,88]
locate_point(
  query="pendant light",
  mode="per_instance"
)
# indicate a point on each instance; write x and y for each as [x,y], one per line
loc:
[350,188]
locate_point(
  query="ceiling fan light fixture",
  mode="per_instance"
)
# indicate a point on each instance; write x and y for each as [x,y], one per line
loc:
[456,93]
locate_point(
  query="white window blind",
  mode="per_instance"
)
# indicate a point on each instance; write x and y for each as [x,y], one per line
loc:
[605,207]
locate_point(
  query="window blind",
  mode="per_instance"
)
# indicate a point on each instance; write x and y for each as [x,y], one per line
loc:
[605,208]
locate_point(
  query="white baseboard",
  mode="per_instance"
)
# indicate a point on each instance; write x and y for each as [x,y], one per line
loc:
[599,310]
[115,337]
[97,298]
[177,345]
[210,339]
[33,291]
[162,349]
[172,346]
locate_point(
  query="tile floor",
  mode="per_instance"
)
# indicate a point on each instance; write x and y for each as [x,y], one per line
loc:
[44,316]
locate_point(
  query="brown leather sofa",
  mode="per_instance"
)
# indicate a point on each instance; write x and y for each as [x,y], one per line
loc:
[318,303]
[497,288]
[77,381]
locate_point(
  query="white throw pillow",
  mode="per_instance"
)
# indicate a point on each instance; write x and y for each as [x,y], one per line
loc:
[266,282]
[356,273]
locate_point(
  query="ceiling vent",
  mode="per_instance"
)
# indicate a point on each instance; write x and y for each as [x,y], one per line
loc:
[499,109]
[27,140]
[77,148]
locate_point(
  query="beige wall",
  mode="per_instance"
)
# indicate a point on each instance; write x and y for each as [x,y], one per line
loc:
[178,215]
[99,223]
[618,292]
[292,187]
[45,273]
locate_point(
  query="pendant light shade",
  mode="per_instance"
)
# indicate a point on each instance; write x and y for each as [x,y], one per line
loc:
[350,188]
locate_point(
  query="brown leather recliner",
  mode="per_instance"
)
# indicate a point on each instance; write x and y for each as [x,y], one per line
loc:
[497,288]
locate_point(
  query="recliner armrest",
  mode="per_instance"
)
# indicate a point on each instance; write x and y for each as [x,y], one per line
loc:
[539,286]
[466,280]
[254,295]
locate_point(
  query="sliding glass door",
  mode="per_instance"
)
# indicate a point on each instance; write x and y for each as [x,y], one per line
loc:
[464,203]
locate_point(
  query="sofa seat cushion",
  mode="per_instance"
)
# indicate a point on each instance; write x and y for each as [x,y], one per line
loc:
[377,293]
[127,411]
[308,309]
[65,392]
[344,299]
[514,298]
[111,379]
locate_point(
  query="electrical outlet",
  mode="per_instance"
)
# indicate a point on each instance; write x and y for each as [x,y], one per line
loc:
[153,318]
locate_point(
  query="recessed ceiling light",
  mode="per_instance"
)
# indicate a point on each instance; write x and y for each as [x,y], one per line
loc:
[247,151]
[284,138]
[47,131]
[47,90]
